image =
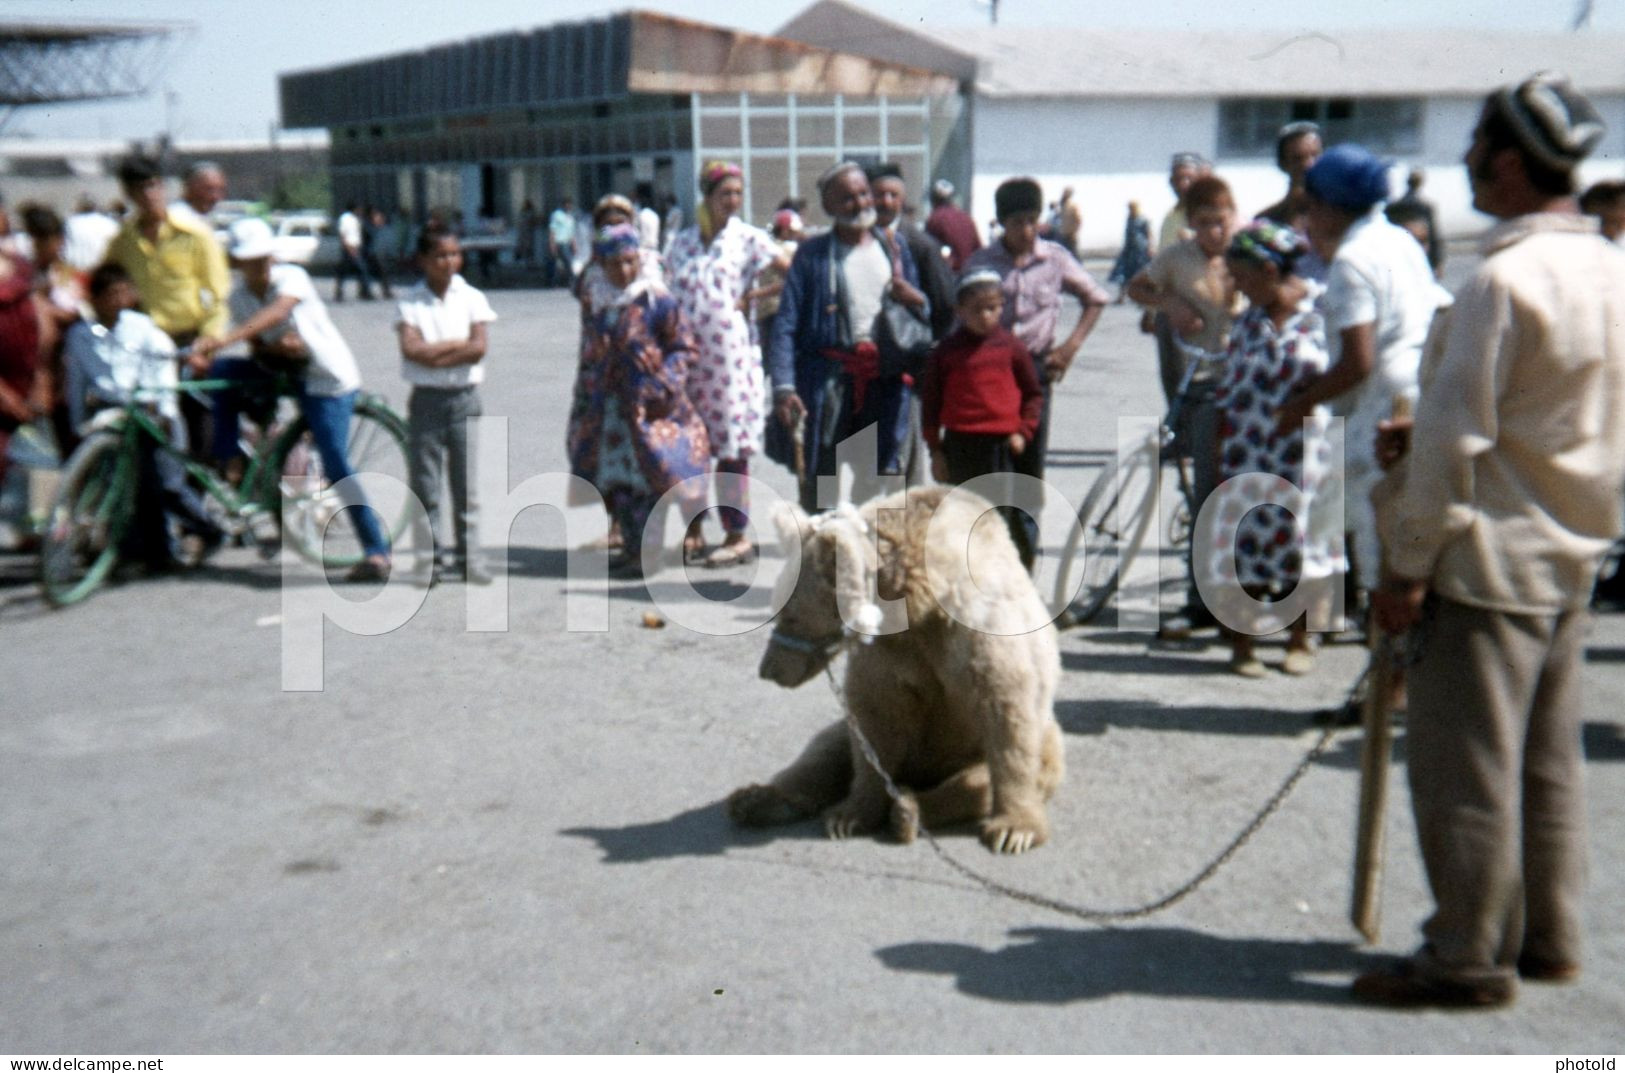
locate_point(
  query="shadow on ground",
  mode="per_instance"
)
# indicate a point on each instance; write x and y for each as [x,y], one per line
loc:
[705,831]
[717,586]
[1057,965]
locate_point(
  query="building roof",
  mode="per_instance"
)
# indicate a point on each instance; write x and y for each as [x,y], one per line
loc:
[45,63]
[585,63]
[1013,61]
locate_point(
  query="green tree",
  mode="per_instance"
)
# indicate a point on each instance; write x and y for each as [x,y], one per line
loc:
[302,190]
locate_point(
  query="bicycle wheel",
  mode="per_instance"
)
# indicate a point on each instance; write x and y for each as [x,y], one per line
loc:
[1112,523]
[87,519]
[376,445]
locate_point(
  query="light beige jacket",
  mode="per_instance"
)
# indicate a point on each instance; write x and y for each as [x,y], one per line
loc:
[1512,490]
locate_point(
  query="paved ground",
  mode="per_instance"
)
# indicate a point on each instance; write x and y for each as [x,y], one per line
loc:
[475,841]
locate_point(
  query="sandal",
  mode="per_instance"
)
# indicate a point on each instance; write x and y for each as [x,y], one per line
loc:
[694,551]
[1298,661]
[736,554]
[1247,666]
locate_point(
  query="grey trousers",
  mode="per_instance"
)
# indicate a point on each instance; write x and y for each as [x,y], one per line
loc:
[1496,774]
[438,447]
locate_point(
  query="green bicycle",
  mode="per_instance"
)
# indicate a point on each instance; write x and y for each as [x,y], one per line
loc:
[283,495]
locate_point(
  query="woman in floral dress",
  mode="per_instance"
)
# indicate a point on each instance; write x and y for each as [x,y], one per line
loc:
[713,269]
[594,291]
[1263,553]
[633,431]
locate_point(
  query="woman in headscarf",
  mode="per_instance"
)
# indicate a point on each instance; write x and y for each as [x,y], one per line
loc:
[594,291]
[613,210]
[715,269]
[633,431]
[1276,346]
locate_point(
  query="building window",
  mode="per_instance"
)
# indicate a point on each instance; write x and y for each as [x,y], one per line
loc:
[1248,126]
[783,143]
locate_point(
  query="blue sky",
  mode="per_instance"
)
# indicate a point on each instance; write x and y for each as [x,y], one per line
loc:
[223,76]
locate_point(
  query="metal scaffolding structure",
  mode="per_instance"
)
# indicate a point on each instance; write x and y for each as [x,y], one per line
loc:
[53,63]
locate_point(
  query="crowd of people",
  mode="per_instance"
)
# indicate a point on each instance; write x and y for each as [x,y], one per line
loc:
[1478,525]
[157,297]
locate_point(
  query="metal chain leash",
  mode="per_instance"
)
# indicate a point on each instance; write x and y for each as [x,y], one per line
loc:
[1097,916]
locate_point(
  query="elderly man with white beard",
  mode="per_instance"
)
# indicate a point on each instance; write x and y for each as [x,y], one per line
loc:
[823,357]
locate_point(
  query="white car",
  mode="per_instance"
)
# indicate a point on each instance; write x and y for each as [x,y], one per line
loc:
[305,238]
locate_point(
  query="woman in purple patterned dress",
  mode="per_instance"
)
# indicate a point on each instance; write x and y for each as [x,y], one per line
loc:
[713,269]
[633,431]
[1263,553]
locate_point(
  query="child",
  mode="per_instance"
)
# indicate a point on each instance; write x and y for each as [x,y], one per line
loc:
[276,310]
[119,355]
[980,399]
[442,326]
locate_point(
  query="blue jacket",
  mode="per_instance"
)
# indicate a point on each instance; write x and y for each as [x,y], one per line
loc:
[810,321]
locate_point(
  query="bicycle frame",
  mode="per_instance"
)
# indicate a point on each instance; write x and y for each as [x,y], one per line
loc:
[257,489]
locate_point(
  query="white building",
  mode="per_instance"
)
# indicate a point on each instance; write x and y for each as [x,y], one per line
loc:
[1102,111]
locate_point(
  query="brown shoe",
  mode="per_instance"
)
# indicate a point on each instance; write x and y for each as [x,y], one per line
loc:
[1543,971]
[1402,987]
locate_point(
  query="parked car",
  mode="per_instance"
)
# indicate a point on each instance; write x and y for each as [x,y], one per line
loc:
[305,238]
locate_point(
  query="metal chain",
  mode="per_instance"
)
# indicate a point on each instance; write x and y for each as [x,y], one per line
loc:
[1097,916]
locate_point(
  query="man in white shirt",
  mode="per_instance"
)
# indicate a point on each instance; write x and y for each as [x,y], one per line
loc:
[352,258]
[1509,496]
[561,244]
[87,234]
[1379,303]
[442,324]
[276,310]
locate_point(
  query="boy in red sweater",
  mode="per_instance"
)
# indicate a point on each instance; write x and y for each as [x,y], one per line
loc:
[980,400]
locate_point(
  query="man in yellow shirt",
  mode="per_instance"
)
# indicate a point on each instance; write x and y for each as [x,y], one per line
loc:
[177,265]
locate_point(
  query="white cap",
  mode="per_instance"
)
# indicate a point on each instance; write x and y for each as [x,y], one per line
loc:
[250,239]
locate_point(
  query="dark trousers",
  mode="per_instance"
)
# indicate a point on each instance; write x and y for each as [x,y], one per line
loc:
[1030,462]
[352,264]
[969,455]
[162,494]
[885,405]
[1199,432]
[375,268]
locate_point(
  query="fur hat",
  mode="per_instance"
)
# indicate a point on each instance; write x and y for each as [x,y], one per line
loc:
[1553,121]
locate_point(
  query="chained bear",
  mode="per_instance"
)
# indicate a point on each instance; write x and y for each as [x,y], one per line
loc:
[950,675]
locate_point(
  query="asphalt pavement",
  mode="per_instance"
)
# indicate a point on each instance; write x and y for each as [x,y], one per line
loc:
[511,841]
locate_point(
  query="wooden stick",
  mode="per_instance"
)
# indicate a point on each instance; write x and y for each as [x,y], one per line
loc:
[1376,755]
[1376,751]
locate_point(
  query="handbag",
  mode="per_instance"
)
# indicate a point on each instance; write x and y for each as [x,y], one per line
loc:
[902,335]
[903,338]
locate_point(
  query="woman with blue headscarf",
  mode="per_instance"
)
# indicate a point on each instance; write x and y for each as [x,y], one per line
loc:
[633,431]
[1379,303]
[1276,347]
